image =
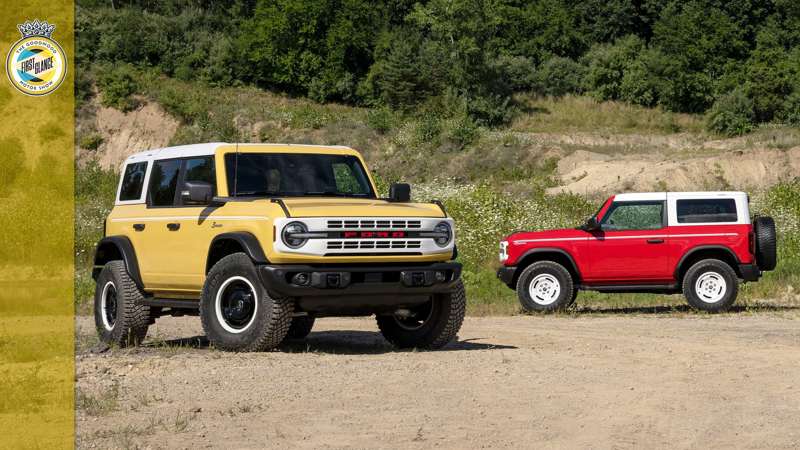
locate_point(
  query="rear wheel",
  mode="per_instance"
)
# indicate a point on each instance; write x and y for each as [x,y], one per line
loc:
[119,316]
[237,312]
[710,285]
[545,286]
[300,327]
[431,325]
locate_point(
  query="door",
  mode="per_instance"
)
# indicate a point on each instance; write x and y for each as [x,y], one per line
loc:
[631,244]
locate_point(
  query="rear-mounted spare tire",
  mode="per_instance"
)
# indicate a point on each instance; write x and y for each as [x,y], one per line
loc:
[766,247]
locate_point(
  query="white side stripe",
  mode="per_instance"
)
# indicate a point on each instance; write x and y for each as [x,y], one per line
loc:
[152,219]
[650,236]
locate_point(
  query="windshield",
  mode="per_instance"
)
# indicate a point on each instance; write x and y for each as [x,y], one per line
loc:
[296,175]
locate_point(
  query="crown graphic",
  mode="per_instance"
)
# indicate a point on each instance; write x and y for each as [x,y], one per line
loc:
[36,28]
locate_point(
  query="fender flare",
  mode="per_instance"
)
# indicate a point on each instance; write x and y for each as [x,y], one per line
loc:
[124,248]
[700,248]
[553,250]
[247,241]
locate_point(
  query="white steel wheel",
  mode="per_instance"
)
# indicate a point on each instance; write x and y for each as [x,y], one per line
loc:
[544,289]
[108,305]
[710,287]
[236,304]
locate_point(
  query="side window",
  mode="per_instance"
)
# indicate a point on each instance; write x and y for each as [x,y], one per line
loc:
[706,210]
[132,181]
[200,169]
[163,183]
[634,216]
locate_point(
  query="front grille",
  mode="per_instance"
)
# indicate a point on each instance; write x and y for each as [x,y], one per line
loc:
[374,224]
[373,244]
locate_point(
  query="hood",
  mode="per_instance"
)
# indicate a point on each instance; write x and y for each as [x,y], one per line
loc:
[356,207]
[548,234]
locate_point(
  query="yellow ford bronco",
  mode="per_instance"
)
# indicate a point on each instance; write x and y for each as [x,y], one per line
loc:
[261,239]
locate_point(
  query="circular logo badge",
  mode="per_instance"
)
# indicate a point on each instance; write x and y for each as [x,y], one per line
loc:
[36,65]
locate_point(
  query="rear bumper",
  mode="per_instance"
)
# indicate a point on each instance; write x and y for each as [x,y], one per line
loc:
[506,275]
[749,272]
[359,289]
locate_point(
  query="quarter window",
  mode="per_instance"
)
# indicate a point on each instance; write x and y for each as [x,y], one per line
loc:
[163,182]
[706,210]
[132,181]
[634,216]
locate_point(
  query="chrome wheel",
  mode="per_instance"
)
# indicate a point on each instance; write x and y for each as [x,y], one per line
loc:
[544,289]
[711,287]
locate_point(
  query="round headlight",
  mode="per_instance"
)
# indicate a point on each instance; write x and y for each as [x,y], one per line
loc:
[290,234]
[445,233]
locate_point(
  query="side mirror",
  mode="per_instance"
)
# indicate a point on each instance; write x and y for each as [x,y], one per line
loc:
[400,192]
[591,224]
[197,193]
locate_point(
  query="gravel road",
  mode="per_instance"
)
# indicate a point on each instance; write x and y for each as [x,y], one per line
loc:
[585,381]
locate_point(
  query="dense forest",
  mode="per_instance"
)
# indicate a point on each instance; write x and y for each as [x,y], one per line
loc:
[738,61]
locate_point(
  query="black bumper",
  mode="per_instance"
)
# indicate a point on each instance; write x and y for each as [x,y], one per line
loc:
[749,272]
[506,275]
[359,289]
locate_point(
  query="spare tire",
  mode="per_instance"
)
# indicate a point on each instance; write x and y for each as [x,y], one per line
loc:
[766,248]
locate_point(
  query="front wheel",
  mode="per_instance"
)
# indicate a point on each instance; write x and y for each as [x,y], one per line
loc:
[237,312]
[431,325]
[545,286]
[710,285]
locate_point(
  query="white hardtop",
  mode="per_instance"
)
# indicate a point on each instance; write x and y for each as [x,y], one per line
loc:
[206,149]
[644,196]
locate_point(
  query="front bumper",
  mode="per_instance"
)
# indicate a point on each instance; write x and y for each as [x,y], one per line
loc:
[359,289]
[506,275]
[749,272]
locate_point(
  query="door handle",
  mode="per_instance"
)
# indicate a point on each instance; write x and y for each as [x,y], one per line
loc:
[138,226]
[655,241]
[173,226]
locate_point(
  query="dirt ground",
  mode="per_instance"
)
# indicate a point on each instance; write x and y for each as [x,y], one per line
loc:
[573,381]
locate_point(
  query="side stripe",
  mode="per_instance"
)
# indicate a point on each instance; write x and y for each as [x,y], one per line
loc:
[649,236]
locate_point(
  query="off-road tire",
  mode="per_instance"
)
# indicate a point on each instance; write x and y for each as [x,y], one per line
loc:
[438,330]
[132,318]
[766,245]
[300,327]
[271,318]
[693,291]
[550,271]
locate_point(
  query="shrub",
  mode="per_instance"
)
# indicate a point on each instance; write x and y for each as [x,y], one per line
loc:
[607,65]
[558,77]
[790,112]
[90,141]
[380,120]
[732,114]
[118,84]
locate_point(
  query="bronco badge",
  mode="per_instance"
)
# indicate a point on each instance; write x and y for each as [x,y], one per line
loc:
[36,64]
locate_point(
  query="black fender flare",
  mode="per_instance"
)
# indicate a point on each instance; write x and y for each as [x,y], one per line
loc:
[701,248]
[117,247]
[247,241]
[560,251]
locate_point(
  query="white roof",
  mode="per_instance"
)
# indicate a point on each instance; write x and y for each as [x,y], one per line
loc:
[639,196]
[186,151]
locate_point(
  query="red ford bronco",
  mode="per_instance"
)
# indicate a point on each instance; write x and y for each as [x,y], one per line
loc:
[700,243]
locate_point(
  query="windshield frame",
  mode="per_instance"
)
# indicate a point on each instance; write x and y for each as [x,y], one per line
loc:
[351,158]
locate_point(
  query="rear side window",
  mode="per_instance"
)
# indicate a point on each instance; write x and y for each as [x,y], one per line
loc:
[706,210]
[132,181]
[163,182]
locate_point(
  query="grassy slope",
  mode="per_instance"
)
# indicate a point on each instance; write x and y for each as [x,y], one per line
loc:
[491,186]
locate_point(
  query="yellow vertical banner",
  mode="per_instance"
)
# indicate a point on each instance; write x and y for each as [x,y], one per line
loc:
[36,218]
